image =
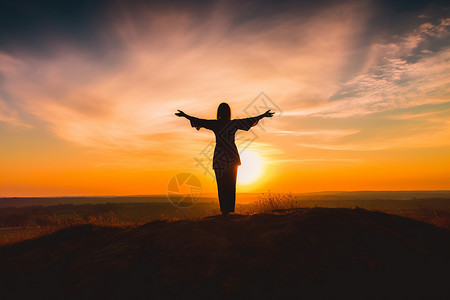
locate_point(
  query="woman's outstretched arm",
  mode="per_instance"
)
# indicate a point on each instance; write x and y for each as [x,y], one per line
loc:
[181,113]
[196,122]
[247,123]
[267,114]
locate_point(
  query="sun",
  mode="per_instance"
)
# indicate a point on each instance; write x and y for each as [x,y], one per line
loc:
[250,169]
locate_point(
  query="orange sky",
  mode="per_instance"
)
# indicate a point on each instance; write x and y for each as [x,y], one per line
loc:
[352,113]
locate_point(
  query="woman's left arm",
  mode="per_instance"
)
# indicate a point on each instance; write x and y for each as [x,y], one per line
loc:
[247,123]
[267,114]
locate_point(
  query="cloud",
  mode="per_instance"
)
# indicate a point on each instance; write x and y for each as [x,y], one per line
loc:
[122,104]
[318,135]
[436,116]
[349,147]
[10,116]
[393,77]
[165,61]
[317,160]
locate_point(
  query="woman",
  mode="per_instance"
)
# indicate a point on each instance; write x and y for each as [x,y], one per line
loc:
[226,156]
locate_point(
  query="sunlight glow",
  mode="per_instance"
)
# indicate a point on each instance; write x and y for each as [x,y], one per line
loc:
[250,169]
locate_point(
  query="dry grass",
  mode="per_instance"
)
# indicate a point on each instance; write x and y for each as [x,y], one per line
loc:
[270,203]
[266,203]
[437,218]
[50,223]
[275,202]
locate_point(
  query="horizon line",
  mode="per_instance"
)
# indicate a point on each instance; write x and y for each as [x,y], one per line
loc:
[238,193]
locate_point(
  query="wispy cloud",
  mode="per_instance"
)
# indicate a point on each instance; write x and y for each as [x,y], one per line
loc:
[175,60]
[123,103]
[353,93]
[330,134]
[317,160]
[394,77]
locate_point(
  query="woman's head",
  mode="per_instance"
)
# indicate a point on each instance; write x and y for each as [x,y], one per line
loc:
[224,112]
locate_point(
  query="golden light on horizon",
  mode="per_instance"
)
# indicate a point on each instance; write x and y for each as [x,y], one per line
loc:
[251,168]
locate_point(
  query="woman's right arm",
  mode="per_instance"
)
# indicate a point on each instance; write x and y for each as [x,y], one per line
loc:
[196,122]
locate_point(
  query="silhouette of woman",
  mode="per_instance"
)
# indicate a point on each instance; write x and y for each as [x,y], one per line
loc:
[226,156]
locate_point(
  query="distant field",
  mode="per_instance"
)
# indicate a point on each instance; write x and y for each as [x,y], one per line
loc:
[243,198]
[51,201]
[24,218]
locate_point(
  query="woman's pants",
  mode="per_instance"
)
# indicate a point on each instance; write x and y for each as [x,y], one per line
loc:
[226,187]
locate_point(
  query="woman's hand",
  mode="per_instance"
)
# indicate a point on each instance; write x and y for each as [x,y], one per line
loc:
[268,114]
[180,114]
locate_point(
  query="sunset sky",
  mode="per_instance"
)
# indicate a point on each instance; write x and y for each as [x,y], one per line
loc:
[88,92]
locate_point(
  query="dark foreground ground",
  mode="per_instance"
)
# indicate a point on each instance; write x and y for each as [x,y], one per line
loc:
[305,253]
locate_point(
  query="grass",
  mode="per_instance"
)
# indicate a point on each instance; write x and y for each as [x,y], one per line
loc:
[54,223]
[30,222]
[437,218]
[270,203]
[317,253]
[275,203]
[18,224]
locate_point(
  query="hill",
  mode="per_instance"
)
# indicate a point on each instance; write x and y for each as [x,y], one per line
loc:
[311,253]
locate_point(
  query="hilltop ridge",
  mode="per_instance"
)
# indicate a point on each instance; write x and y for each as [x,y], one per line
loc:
[312,252]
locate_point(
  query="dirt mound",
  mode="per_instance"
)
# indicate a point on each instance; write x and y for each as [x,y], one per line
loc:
[310,253]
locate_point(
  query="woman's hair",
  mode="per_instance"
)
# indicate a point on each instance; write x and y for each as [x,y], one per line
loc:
[224,111]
